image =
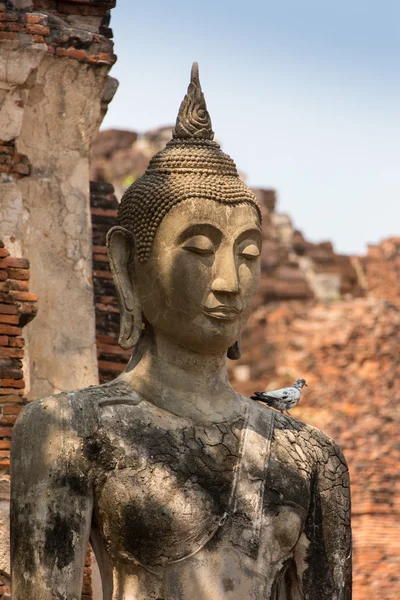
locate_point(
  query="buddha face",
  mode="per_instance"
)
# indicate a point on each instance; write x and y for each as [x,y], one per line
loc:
[198,286]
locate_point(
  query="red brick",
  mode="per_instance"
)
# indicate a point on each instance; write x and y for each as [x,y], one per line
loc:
[7,35]
[21,274]
[99,250]
[11,409]
[11,399]
[12,27]
[16,342]
[9,319]
[3,251]
[21,286]
[107,307]
[104,57]
[10,330]
[7,420]
[7,391]
[105,339]
[13,383]
[39,39]
[11,353]
[5,444]
[5,431]
[111,366]
[18,263]
[103,212]
[24,296]
[38,29]
[72,53]
[9,16]
[10,373]
[3,274]
[5,298]
[35,19]
[4,340]
[100,258]
[113,349]
[8,309]
[102,274]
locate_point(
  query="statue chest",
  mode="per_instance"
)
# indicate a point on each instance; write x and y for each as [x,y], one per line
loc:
[166,488]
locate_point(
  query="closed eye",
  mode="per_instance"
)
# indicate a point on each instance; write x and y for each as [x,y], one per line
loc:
[199,244]
[250,252]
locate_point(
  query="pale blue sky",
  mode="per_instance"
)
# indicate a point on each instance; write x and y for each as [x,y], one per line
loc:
[303,94]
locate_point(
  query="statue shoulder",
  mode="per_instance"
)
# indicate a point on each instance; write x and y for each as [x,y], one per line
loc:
[76,411]
[311,445]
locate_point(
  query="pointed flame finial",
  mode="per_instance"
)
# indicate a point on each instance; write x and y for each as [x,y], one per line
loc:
[193,120]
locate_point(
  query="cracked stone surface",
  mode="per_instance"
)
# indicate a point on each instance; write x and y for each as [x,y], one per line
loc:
[166,499]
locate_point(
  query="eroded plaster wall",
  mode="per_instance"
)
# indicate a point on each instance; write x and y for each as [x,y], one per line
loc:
[61,115]
[54,87]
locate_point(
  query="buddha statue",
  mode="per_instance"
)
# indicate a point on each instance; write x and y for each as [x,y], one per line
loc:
[185,488]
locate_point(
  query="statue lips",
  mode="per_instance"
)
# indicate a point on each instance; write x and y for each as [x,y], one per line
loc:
[224,313]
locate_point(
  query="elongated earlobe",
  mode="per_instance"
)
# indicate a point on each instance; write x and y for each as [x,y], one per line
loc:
[120,246]
[234,352]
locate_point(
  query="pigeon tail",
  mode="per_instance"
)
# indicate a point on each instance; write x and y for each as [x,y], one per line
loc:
[260,396]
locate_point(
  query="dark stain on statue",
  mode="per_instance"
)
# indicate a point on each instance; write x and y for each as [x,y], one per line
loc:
[59,540]
[147,539]
[23,534]
[78,484]
[318,580]
[283,481]
[99,451]
[228,585]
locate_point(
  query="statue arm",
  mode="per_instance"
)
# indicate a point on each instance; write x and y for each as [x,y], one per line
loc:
[51,502]
[323,553]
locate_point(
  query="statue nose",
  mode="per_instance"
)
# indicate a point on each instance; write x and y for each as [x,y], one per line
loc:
[227,286]
[226,278]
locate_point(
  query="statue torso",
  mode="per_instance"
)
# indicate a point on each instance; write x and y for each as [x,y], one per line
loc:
[185,510]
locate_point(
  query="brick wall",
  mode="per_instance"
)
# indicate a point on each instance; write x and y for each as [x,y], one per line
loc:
[17,308]
[348,351]
[55,27]
[111,357]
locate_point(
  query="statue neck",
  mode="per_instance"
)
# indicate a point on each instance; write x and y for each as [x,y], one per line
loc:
[186,383]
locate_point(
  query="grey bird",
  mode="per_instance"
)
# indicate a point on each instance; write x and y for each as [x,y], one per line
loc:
[283,399]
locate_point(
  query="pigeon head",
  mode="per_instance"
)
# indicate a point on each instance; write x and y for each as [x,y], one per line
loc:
[300,383]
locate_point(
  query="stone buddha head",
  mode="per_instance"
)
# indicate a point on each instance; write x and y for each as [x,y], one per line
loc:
[185,257]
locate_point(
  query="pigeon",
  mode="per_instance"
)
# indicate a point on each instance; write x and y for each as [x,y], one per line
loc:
[282,399]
